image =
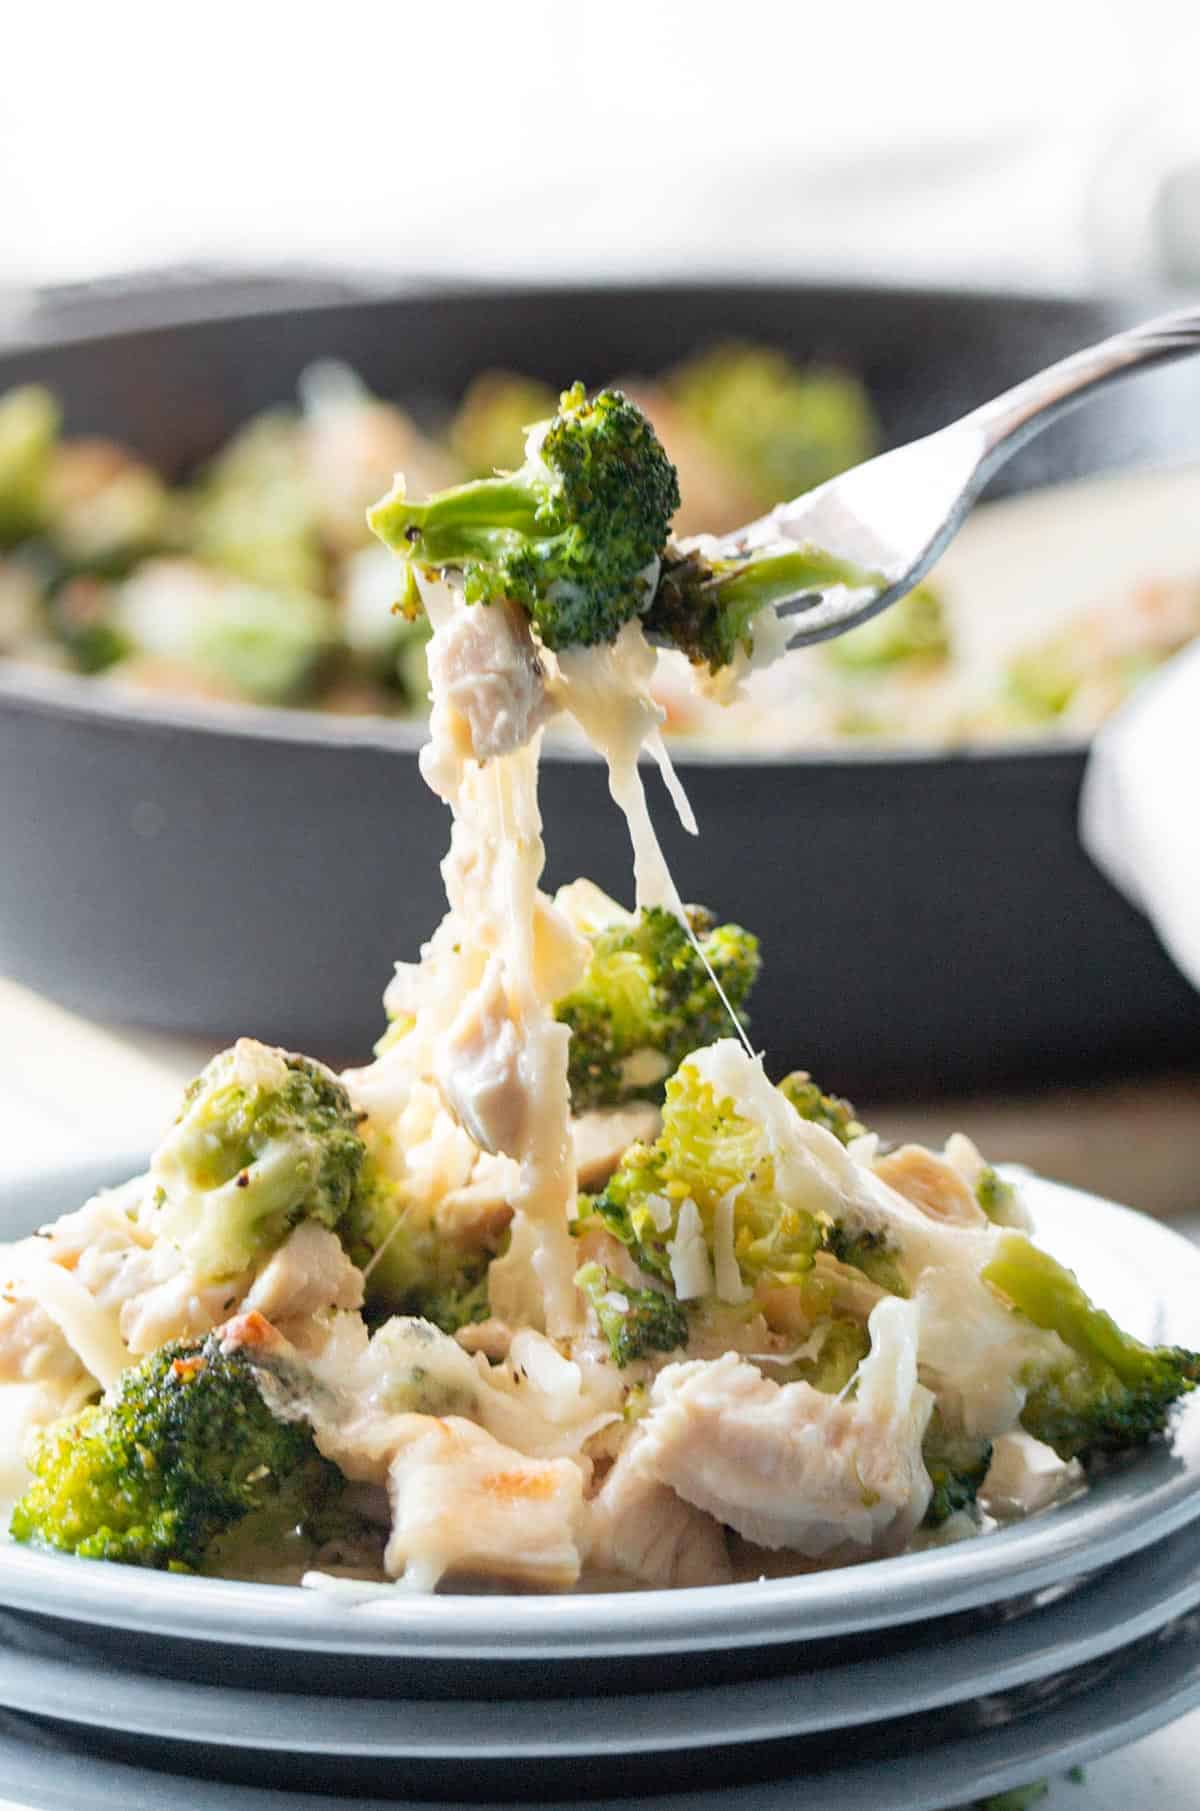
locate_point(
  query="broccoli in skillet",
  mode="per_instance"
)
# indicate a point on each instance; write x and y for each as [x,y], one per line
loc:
[180,1450]
[573,536]
[782,429]
[29,420]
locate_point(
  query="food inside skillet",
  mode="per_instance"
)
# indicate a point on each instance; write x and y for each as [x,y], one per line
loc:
[257,580]
[562,1289]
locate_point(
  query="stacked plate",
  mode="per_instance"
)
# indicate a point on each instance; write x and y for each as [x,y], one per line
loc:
[901,1685]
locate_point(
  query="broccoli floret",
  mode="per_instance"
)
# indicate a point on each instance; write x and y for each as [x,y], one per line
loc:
[869,1252]
[494,418]
[706,607]
[633,1321]
[29,422]
[181,1449]
[83,615]
[647,1001]
[782,429]
[573,536]
[996,1197]
[957,1464]
[844,1343]
[265,1139]
[410,1266]
[828,1110]
[914,628]
[253,512]
[707,1154]
[1107,1391]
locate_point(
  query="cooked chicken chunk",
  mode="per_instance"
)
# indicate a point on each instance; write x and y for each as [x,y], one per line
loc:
[640,1528]
[308,1273]
[602,1137]
[787,1466]
[484,665]
[478,1067]
[931,1184]
[464,1506]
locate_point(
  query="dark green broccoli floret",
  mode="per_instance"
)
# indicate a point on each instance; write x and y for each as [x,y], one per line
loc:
[29,420]
[957,1464]
[782,429]
[633,1321]
[870,1253]
[828,1110]
[1107,1391]
[647,990]
[569,536]
[707,1153]
[265,1139]
[181,1449]
[410,1266]
[913,628]
[706,607]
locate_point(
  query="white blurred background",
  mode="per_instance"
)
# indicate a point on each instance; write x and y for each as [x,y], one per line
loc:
[1048,143]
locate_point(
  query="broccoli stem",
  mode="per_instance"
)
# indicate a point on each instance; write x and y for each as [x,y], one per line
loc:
[476,521]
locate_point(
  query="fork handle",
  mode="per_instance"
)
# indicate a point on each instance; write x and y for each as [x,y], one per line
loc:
[1018,414]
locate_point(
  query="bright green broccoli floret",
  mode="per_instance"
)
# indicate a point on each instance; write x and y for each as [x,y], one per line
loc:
[181,1449]
[957,1464]
[707,1153]
[29,421]
[914,628]
[1107,1391]
[828,1110]
[410,1266]
[569,536]
[782,429]
[706,607]
[265,1139]
[494,418]
[647,1001]
[633,1321]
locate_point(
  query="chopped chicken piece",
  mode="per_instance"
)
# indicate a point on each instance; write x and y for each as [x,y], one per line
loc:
[1025,1476]
[787,1466]
[602,1138]
[33,1348]
[309,1272]
[478,1065]
[931,1184]
[640,1528]
[465,1506]
[485,666]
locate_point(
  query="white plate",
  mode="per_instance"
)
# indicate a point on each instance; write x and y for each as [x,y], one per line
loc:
[1145,1274]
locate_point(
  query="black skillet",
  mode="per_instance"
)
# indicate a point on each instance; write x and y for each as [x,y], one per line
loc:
[929,921]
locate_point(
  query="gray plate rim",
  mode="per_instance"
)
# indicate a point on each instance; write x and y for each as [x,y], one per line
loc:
[1120,1607]
[1120,1708]
[1124,1512]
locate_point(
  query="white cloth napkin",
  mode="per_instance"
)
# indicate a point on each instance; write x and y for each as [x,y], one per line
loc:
[1139,813]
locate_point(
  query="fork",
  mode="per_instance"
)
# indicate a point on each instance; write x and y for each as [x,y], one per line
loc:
[889,519]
